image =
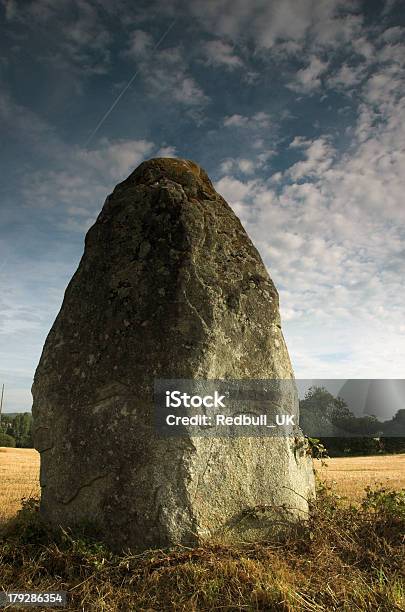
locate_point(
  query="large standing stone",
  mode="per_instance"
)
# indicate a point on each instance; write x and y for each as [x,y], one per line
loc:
[169,286]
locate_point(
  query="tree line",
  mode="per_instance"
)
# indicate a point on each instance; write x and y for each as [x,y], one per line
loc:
[331,422]
[16,430]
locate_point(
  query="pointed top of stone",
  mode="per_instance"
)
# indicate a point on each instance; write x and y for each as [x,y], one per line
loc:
[184,172]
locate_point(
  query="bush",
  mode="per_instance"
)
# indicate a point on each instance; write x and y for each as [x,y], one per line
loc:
[6,440]
[340,447]
[393,444]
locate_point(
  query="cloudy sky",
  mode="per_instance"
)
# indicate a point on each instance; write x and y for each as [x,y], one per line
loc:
[295,109]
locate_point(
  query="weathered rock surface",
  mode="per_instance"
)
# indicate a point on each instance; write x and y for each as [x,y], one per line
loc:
[169,286]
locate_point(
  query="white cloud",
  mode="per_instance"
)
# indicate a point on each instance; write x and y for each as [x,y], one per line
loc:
[381,86]
[298,142]
[165,72]
[393,53]
[338,28]
[246,166]
[309,79]
[86,178]
[220,53]
[186,90]
[346,77]
[392,34]
[278,22]
[114,159]
[261,119]
[235,192]
[140,42]
[258,120]
[233,189]
[330,229]
[235,121]
[166,152]
[319,155]
[362,46]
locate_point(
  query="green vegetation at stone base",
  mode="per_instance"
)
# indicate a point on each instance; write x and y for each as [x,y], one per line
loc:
[348,558]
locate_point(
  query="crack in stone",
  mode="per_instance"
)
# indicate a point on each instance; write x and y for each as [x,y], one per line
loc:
[86,484]
[194,309]
[200,476]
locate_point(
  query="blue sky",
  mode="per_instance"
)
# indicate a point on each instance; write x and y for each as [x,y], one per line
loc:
[295,109]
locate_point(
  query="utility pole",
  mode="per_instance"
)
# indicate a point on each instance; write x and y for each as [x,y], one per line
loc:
[1,401]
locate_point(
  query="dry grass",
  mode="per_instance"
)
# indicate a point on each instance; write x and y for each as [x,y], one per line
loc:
[19,474]
[349,476]
[344,559]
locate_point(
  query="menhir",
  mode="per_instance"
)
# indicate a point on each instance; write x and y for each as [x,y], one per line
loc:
[170,286]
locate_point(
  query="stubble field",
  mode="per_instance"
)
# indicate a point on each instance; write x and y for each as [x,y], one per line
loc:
[349,476]
[19,476]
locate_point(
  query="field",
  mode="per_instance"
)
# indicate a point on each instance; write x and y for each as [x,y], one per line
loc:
[19,473]
[346,558]
[349,476]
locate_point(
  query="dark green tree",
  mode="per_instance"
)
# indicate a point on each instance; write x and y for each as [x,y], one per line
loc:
[21,430]
[6,423]
[330,419]
[317,412]
[6,440]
